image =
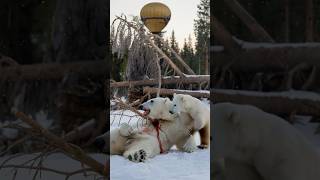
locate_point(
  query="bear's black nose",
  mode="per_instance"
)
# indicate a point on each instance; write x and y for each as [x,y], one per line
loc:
[140,107]
[99,143]
[170,112]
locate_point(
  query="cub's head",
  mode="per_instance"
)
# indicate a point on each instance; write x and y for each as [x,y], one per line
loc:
[157,108]
[179,103]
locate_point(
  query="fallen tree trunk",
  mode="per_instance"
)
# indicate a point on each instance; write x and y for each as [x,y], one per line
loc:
[53,70]
[301,103]
[256,57]
[203,93]
[165,80]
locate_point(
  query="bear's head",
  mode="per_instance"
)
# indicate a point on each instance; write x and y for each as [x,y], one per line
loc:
[158,108]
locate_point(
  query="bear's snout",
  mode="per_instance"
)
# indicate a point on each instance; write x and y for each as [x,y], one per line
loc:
[140,107]
[99,143]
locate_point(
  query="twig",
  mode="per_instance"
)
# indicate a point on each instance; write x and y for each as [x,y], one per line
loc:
[70,150]
[121,103]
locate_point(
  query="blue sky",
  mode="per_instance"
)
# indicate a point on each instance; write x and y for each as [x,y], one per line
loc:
[183,13]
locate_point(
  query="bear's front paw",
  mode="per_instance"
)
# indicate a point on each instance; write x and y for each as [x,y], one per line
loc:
[138,156]
[190,145]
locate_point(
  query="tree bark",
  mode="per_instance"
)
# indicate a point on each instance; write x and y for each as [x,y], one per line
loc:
[256,29]
[164,80]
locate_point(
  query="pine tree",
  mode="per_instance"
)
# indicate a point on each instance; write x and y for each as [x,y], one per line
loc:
[202,33]
[187,53]
[173,42]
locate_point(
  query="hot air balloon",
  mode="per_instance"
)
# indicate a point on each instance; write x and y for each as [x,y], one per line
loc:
[155,16]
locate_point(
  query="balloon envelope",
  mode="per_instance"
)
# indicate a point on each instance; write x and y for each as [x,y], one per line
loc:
[155,16]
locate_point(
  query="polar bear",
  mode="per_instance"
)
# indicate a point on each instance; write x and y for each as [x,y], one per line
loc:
[257,145]
[140,144]
[183,103]
[179,128]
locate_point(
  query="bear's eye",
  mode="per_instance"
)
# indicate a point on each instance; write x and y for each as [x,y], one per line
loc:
[175,105]
[151,101]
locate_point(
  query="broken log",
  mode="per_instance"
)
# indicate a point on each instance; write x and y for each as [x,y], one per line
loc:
[300,102]
[165,80]
[53,70]
[255,57]
[199,94]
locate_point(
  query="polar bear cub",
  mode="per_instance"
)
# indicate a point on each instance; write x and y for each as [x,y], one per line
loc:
[200,113]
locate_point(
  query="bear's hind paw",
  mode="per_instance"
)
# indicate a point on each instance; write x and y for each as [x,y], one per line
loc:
[138,156]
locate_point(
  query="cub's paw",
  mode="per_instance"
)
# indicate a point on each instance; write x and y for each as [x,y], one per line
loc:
[138,156]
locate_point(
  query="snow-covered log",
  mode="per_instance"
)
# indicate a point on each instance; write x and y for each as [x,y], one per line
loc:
[165,80]
[201,93]
[53,70]
[267,56]
[287,102]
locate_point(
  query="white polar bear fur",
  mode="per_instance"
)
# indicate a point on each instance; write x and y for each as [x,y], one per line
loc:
[260,146]
[175,130]
[183,103]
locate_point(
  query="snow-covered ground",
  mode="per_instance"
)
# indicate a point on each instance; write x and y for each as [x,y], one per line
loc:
[173,165]
[58,162]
